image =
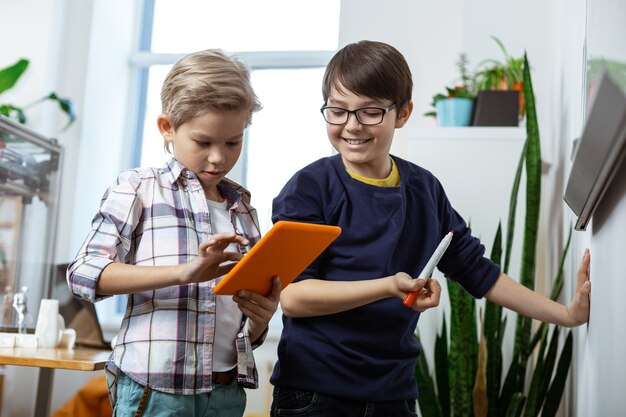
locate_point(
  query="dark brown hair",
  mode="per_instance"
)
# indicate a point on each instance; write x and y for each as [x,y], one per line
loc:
[371,69]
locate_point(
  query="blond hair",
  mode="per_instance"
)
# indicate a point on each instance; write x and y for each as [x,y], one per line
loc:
[203,81]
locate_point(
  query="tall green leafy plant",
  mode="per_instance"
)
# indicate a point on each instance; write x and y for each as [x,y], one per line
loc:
[467,379]
[9,77]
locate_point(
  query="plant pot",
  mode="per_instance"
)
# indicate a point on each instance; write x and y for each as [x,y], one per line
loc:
[454,111]
[497,108]
[519,87]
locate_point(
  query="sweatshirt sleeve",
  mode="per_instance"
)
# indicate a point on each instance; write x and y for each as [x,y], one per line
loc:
[464,261]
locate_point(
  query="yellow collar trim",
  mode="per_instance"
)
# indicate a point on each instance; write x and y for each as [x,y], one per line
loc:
[392,180]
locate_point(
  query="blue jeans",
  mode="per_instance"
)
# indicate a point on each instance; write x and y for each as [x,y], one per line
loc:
[223,401]
[294,402]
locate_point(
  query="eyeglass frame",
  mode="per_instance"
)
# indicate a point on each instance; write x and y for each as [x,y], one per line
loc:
[350,112]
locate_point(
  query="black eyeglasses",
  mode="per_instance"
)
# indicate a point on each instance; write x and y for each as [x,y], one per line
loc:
[367,116]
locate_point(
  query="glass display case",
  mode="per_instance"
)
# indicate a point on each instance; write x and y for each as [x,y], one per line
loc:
[30,175]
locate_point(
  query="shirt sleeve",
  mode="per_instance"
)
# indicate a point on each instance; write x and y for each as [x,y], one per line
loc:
[247,374]
[303,199]
[464,261]
[111,236]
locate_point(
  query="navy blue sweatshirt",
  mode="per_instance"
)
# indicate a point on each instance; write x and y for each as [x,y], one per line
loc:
[369,353]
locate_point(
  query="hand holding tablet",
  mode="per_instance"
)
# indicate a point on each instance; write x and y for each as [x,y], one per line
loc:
[285,251]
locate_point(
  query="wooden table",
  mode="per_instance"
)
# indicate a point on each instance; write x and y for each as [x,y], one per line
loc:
[47,360]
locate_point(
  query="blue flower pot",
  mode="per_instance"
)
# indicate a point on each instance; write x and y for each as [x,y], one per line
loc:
[454,112]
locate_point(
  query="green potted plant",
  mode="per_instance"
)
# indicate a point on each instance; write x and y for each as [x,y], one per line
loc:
[9,77]
[492,74]
[499,90]
[454,107]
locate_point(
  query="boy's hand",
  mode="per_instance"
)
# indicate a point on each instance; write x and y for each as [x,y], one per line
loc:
[578,310]
[211,254]
[428,291]
[258,309]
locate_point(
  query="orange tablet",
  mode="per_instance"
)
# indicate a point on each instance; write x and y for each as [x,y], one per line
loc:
[286,250]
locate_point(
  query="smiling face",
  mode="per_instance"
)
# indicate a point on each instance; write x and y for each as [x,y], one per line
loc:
[209,145]
[365,149]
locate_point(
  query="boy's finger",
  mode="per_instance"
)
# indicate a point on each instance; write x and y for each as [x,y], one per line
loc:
[277,286]
[250,313]
[583,293]
[583,270]
[225,269]
[233,256]
[417,284]
[434,286]
[227,239]
[204,245]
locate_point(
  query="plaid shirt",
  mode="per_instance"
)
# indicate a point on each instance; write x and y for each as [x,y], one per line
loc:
[159,217]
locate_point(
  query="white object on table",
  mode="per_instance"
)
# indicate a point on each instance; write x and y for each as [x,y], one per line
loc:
[48,329]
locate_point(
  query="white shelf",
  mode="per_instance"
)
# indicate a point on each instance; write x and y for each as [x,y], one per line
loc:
[476,167]
[500,134]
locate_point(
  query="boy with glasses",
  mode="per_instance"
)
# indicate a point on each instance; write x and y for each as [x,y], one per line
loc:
[347,346]
[162,236]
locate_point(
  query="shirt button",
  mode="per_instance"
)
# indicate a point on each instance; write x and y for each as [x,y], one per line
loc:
[240,335]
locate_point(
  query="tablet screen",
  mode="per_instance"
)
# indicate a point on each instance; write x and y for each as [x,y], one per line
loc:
[285,251]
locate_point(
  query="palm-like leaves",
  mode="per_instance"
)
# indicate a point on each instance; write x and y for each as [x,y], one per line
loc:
[9,77]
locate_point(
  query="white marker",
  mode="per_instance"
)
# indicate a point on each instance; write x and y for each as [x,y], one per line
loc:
[430,266]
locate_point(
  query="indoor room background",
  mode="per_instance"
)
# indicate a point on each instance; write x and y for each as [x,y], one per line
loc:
[98,53]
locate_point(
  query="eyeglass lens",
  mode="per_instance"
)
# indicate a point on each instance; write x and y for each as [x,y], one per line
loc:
[365,116]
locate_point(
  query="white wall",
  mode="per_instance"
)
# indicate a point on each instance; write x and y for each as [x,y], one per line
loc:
[40,46]
[105,136]
[600,388]
[431,35]
[600,379]
[567,111]
[74,38]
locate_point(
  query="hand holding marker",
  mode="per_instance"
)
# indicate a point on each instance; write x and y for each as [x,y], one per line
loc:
[430,266]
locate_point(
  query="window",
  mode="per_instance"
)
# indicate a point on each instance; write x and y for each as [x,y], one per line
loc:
[287,53]
[182,26]
[286,44]
[286,135]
